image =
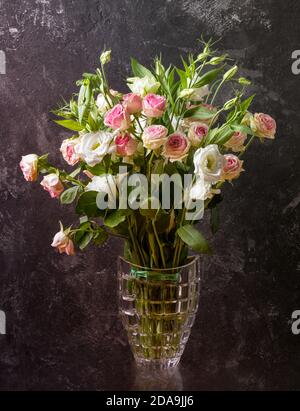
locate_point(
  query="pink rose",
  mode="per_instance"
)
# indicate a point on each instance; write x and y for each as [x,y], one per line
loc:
[68,151]
[133,103]
[29,167]
[117,118]
[236,142]
[154,105]
[263,125]
[154,136]
[125,145]
[232,167]
[63,243]
[53,185]
[176,147]
[197,132]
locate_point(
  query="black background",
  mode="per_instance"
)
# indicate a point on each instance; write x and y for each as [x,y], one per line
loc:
[63,326]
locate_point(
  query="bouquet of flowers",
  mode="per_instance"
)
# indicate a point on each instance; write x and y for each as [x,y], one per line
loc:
[149,163]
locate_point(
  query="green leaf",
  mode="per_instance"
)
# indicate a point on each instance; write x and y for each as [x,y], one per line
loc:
[208,77]
[87,204]
[200,113]
[246,104]
[115,218]
[139,70]
[69,195]
[241,128]
[194,239]
[83,99]
[97,170]
[100,236]
[70,124]
[86,239]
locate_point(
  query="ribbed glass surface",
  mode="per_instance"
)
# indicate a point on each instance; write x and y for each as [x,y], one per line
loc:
[158,309]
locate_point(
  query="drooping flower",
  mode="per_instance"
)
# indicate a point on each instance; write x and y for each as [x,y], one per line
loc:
[68,150]
[53,185]
[117,118]
[154,105]
[93,147]
[29,167]
[154,136]
[209,161]
[63,243]
[176,147]
[126,145]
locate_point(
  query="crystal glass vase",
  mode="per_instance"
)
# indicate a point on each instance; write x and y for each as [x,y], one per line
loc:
[158,309]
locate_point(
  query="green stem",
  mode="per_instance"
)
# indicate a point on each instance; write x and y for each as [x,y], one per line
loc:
[159,244]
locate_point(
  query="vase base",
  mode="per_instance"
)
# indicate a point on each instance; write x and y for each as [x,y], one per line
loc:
[159,364]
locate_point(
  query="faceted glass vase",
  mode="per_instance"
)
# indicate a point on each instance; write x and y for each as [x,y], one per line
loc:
[158,309]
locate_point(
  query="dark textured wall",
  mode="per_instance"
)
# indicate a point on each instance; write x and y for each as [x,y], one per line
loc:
[63,330]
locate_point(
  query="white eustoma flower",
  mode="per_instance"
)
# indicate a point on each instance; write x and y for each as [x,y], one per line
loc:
[209,161]
[201,190]
[105,183]
[102,104]
[143,86]
[93,147]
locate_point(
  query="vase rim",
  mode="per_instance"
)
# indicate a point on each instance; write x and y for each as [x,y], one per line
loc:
[191,260]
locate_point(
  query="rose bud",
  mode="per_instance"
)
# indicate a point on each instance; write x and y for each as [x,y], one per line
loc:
[133,103]
[117,118]
[154,105]
[232,167]
[154,136]
[63,243]
[29,167]
[125,145]
[176,147]
[68,151]
[53,185]
[263,125]
[236,142]
[197,132]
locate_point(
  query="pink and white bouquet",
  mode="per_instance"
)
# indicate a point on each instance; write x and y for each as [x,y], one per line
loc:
[148,163]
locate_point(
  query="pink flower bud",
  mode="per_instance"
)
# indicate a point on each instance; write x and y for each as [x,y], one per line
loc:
[53,185]
[176,147]
[29,167]
[232,167]
[63,243]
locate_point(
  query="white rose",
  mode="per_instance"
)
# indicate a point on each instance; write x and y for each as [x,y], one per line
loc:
[143,86]
[93,147]
[102,104]
[209,161]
